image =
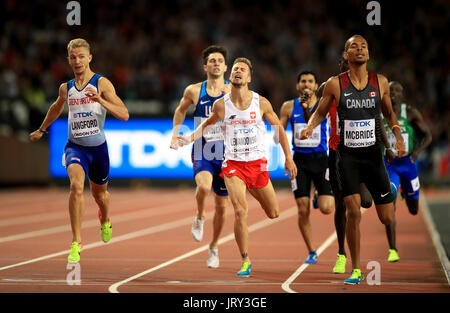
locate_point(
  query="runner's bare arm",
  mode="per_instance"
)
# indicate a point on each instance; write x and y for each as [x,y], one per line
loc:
[268,113]
[218,112]
[418,123]
[285,114]
[389,154]
[330,92]
[319,94]
[109,99]
[53,113]
[180,112]
[389,114]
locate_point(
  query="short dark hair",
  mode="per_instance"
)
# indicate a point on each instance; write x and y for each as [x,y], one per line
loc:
[213,49]
[246,61]
[307,73]
[347,43]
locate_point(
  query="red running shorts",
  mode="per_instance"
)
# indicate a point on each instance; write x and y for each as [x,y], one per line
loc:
[253,173]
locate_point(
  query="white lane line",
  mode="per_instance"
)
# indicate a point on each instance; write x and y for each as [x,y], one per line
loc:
[95,223]
[64,214]
[33,218]
[434,234]
[266,222]
[323,246]
[287,283]
[139,233]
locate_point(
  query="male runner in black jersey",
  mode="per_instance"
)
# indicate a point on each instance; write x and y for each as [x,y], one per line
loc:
[359,96]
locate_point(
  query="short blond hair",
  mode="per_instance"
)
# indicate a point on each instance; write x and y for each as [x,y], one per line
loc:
[244,60]
[78,43]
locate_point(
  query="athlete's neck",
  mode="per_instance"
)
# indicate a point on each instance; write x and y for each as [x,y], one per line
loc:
[358,75]
[82,79]
[241,96]
[215,83]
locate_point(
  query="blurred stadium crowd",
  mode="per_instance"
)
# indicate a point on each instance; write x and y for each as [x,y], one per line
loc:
[150,50]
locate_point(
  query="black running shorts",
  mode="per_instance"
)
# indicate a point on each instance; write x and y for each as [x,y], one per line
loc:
[367,166]
[311,167]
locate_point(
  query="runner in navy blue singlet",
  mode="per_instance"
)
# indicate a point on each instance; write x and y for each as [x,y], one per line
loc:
[207,151]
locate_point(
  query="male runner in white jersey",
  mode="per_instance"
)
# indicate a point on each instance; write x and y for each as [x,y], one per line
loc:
[207,152]
[359,97]
[245,166]
[89,96]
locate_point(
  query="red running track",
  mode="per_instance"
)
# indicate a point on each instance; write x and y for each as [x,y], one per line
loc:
[152,250]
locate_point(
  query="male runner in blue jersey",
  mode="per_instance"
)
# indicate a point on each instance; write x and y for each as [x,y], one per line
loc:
[310,156]
[207,152]
[403,171]
[89,96]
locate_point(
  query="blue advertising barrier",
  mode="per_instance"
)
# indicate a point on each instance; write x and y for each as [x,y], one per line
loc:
[140,148]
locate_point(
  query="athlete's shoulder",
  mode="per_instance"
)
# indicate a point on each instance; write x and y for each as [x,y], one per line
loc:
[63,89]
[332,83]
[102,80]
[413,112]
[193,89]
[382,79]
[288,104]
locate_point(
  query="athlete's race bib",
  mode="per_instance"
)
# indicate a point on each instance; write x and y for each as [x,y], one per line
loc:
[392,140]
[84,124]
[213,132]
[359,134]
[244,140]
[415,184]
[313,140]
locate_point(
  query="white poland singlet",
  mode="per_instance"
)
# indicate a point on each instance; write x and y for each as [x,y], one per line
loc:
[244,131]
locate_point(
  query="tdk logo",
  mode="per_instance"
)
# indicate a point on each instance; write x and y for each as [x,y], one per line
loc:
[82,114]
[243,131]
[232,117]
[359,123]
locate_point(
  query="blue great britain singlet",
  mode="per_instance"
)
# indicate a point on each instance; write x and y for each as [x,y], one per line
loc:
[212,134]
[86,118]
[317,142]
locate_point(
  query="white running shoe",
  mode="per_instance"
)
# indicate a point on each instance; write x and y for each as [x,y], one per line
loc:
[213,259]
[197,229]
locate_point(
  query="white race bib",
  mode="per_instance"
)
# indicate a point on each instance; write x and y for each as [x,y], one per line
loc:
[392,140]
[213,132]
[359,134]
[84,124]
[313,140]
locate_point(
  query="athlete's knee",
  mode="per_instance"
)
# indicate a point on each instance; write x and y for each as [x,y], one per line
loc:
[366,202]
[387,219]
[221,210]
[77,187]
[326,205]
[353,213]
[203,189]
[240,215]
[274,213]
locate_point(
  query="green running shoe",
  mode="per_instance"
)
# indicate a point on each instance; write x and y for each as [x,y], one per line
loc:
[355,278]
[393,256]
[74,255]
[106,231]
[339,267]
[245,270]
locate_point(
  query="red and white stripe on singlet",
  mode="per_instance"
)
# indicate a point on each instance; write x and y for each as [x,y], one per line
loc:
[334,125]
